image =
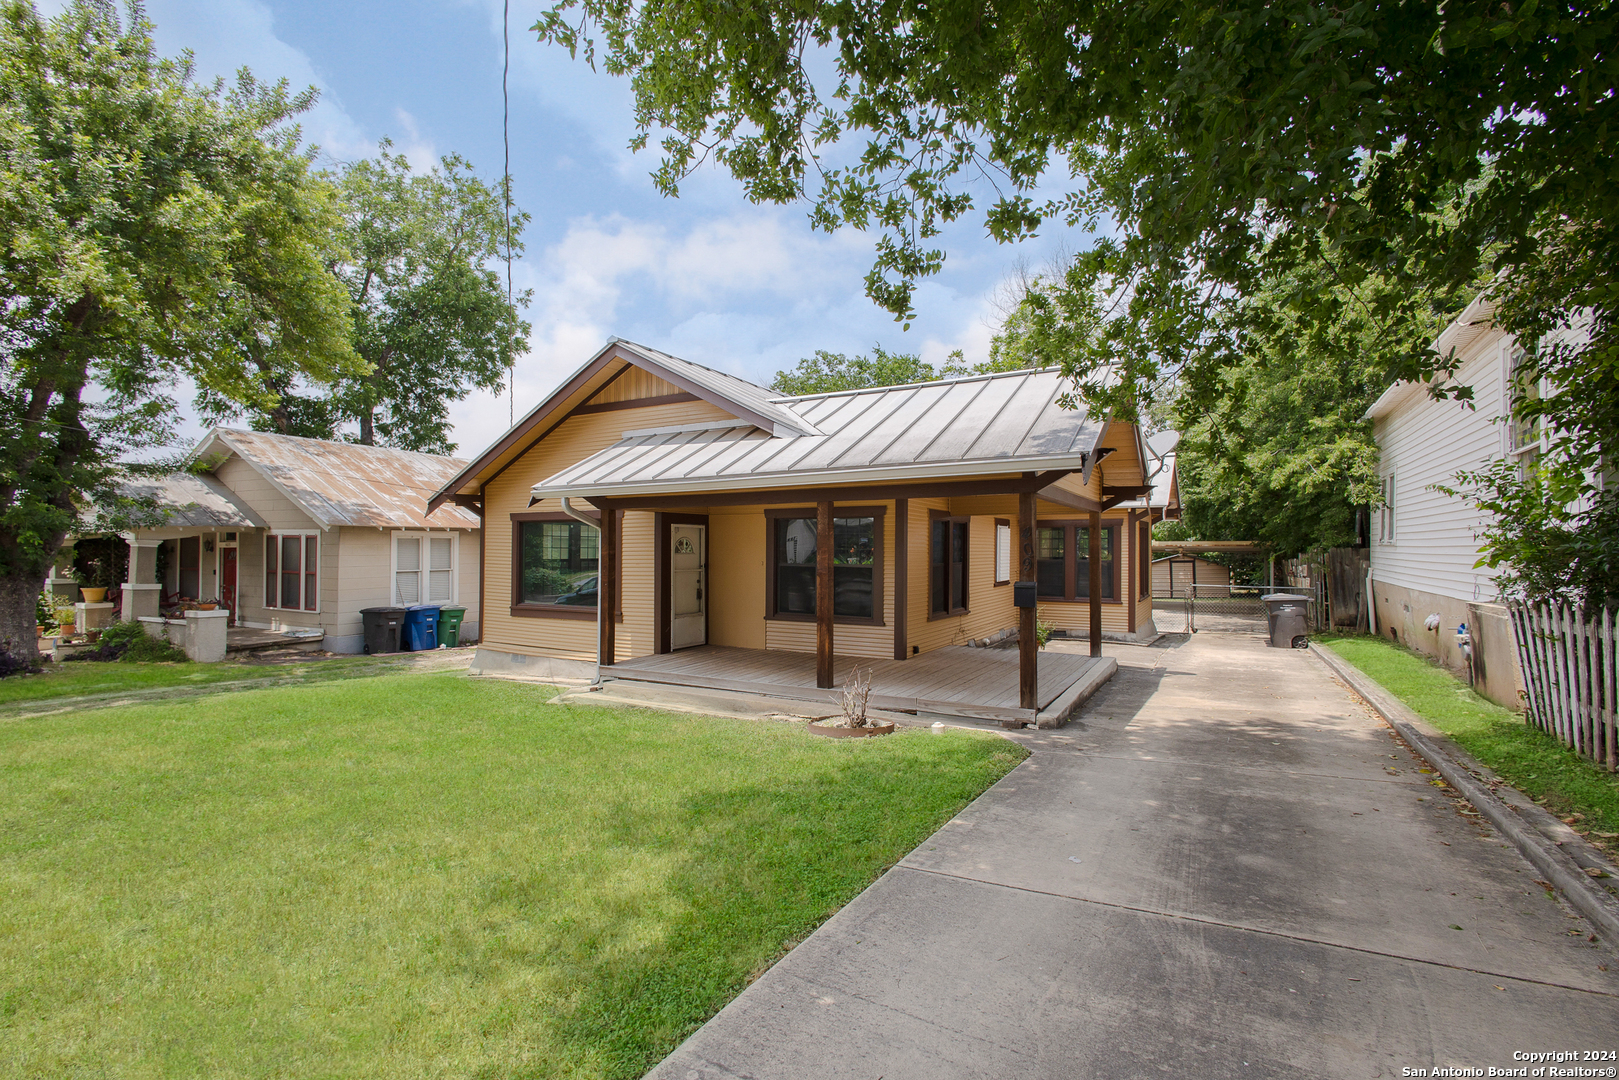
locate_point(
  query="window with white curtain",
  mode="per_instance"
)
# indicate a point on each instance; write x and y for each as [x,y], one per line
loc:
[424,568]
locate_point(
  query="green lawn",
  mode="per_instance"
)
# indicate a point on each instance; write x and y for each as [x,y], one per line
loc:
[83,677]
[424,875]
[1528,759]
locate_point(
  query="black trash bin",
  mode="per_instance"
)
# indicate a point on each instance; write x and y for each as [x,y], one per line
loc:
[381,625]
[1289,620]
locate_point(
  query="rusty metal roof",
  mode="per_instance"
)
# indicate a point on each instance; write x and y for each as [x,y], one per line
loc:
[1006,422]
[193,499]
[338,483]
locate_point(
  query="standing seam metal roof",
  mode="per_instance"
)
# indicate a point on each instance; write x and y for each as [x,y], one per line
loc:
[1005,422]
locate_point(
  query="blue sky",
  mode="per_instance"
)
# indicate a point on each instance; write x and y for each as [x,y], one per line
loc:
[747,289]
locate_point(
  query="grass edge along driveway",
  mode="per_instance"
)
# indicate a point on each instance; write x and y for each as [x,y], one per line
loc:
[1584,795]
[425,875]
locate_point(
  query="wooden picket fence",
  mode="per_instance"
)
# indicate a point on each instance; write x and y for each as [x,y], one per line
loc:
[1569,671]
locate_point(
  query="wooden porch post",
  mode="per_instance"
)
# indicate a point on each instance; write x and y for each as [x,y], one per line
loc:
[1096,582]
[1028,645]
[902,574]
[607,585]
[823,596]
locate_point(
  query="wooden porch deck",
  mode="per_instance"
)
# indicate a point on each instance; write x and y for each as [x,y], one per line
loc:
[953,681]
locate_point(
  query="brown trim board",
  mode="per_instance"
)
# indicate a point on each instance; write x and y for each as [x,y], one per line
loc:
[552,404]
[634,403]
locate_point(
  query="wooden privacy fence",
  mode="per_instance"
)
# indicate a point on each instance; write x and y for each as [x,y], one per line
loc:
[1569,670]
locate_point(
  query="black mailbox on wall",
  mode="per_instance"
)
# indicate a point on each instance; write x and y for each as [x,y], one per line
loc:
[1024,593]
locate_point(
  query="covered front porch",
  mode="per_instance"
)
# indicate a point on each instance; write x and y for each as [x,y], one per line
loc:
[956,681]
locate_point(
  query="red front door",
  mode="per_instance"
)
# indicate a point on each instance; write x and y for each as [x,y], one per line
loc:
[227,581]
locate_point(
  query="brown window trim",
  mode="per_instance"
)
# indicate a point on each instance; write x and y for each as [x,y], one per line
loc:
[1071,527]
[775,512]
[1009,560]
[520,610]
[935,516]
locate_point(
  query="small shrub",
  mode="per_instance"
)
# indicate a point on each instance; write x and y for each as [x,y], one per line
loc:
[856,693]
[129,642]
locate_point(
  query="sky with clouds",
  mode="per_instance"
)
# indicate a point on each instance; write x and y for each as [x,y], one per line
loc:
[708,276]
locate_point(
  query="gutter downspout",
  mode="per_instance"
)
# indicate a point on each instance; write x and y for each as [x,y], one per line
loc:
[579,515]
[1371,603]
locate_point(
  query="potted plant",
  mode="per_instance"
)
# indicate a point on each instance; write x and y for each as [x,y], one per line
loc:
[65,620]
[45,614]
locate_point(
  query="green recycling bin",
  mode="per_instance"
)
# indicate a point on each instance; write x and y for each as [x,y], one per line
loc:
[449,626]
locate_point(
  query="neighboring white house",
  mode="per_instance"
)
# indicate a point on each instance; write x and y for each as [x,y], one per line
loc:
[1425,543]
[289,533]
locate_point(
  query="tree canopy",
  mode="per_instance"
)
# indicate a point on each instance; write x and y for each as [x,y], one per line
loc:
[827,371]
[1408,151]
[430,318]
[150,230]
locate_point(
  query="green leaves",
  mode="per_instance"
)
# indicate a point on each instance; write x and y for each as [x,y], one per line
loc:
[152,230]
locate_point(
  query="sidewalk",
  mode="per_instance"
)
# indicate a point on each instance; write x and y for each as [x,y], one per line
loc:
[1227,867]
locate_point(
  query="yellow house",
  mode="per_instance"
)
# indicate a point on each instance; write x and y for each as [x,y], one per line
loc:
[696,508]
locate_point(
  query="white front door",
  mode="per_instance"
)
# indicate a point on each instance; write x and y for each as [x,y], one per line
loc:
[688,584]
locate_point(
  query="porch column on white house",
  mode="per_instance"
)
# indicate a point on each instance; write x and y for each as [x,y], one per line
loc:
[142,595]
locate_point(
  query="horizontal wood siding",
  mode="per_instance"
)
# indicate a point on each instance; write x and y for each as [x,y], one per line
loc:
[573,440]
[1426,442]
[263,497]
[989,608]
[634,636]
[633,384]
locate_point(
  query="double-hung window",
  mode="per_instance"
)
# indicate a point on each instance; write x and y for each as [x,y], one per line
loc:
[1522,391]
[292,571]
[1385,513]
[1063,561]
[948,551]
[424,568]
[856,564]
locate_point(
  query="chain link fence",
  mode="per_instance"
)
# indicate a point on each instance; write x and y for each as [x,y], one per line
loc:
[1229,609]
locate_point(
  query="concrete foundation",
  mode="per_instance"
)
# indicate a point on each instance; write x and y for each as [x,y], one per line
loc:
[489,661]
[1402,615]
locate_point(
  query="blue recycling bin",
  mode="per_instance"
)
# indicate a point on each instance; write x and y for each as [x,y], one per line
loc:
[420,628]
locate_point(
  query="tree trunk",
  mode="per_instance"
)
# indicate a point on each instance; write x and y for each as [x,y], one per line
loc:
[368,433]
[18,636]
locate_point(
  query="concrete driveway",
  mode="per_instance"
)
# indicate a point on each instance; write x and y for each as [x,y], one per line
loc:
[1227,868]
